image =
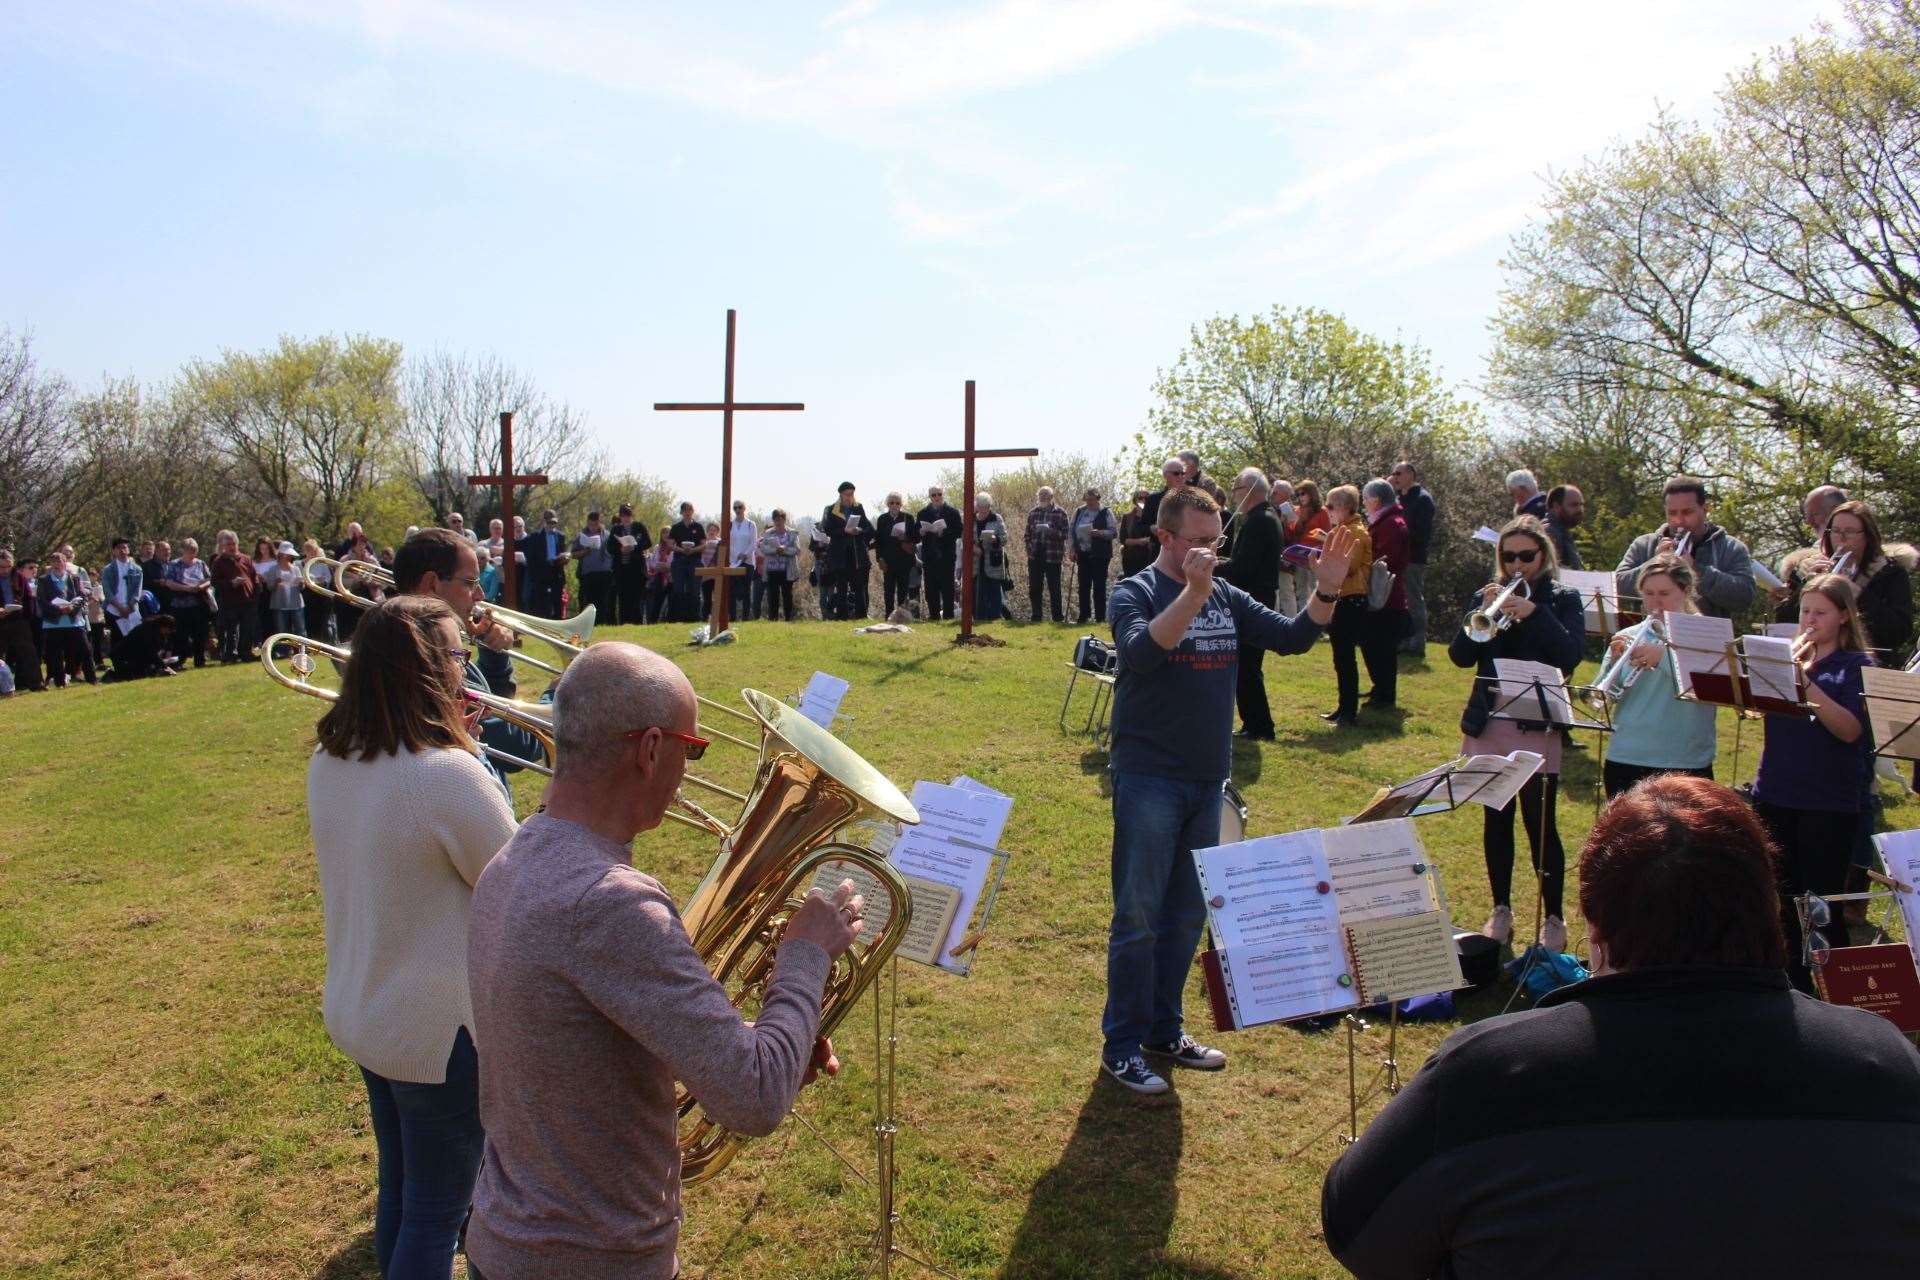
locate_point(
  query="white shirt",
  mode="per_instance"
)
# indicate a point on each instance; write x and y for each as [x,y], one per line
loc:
[740,539]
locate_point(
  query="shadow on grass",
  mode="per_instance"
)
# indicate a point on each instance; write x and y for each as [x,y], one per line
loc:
[1106,1208]
[352,1261]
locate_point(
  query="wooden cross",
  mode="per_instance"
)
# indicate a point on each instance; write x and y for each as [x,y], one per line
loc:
[721,569]
[968,454]
[509,572]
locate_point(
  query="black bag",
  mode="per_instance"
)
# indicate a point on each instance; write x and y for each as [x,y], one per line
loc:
[1090,653]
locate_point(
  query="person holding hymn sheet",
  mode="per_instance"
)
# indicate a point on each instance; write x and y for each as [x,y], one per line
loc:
[660,575]
[404,816]
[120,587]
[592,1003]
[779,556]
[742,534]
[992,572]
[1812,783]
[1048,530]
[545,570]
[1385,623]
[709,556]
[496,542]
[688,537]
[190,584]
[1548,626]
[1179,631]
[940,528]
[895,535]
[849,536]
[1091,550]
[593,560]
[63,623]
[280,584]
[1350,614]
[1722,568]
[1251,561]
[236,584]
[1309,515]
[629,543]
[1653,731]
[16,633]
[1635,1124]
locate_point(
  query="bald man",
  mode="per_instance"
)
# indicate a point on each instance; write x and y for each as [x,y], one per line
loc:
[1818,507]
[589,1000]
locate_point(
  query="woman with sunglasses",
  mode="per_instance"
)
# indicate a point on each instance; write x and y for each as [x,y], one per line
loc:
[404,816]
[1811,786]
[1546,623]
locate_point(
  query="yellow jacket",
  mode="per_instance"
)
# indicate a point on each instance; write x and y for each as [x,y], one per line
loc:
[1360,568]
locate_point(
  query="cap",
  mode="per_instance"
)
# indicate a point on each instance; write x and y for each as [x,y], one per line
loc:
[287,549]
[844,486]
[626,508]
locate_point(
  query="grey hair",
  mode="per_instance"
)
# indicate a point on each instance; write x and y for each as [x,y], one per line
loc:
[980,496]
[1255,479]
[1188,455]
[1282,489]
[1522,479]
[1380,491]
[1044,491]
[608,691]
[226,535]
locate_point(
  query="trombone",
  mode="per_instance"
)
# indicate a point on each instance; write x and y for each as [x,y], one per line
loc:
[1486,622]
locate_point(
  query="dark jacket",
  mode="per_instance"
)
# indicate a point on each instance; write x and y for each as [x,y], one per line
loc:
[1563,548]
[1417,504]
[1725,569]
[1253,553]
[942,547]
[1134,524]
[542,570]
[152,572]
[1553,633]
[1536,506]
[1391,538]
[235,580]
[847,548]
[895,553]
[1885,597]
[630,564]
[1699,1121]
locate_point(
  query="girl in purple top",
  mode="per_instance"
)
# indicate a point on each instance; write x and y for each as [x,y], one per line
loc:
[1813,771]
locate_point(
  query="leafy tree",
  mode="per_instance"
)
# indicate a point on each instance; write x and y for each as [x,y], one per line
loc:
[43,477]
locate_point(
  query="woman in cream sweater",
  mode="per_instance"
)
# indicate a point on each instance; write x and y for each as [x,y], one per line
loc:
[404,816]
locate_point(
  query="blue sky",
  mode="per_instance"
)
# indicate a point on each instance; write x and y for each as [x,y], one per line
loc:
[896,196]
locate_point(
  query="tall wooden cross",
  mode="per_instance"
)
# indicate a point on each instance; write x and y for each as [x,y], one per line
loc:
[727,405]
[509,572]
[968,454]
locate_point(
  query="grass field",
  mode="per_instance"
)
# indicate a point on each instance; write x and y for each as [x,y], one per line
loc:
[170,1105]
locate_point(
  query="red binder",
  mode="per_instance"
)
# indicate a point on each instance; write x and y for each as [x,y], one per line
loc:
[1880,979]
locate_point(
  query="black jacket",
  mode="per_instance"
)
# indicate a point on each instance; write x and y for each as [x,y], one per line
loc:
[630,564]
[542,570]
[1682,1122]
[1536,506]
[1553,633]
[942,547]
[1253,553]
[1563,547]
[895,553]
[1417,504]
[847,548]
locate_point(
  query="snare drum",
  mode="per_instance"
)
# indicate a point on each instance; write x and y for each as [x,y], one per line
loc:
[1233,815]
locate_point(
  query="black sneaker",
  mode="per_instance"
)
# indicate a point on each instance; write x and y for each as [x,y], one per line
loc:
[1189,1053]
[1135,1074]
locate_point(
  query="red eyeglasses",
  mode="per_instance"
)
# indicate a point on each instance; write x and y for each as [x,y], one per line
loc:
[696,747]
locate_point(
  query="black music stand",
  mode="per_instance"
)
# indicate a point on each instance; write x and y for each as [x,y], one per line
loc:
[1899,712]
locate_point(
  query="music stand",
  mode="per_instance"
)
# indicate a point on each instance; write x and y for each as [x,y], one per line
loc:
[1728,682]
[1536,695]
[1893,713]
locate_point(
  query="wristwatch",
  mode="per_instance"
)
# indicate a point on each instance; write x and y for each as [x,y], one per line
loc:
[1324,598]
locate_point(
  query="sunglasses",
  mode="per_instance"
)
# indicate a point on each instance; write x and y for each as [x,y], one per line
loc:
[696,747]
[1519,557]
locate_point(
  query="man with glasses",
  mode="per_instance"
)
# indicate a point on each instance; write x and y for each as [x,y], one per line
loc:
[442,564]
[1179,632]
[1173,475]
[939,552]
[546,566]
[590,1002]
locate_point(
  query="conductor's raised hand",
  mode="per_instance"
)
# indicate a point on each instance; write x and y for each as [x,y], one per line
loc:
[1198,565]
[1336,557]
[829,922]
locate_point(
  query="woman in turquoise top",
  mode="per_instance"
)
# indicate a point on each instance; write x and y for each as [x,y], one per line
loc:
[1655,731]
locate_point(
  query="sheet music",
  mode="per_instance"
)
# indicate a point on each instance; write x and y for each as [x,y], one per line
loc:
[1516,697]
[1488,780]
[1779,630]
[1405,956]
[929,855]
[1487,534]
[1699,647]
[1379,870]
[1765,576]
[1893,706]
[1901,849]
[820,700]
[1599,594]
[1277,926]
[1510,773]
[962,813]
[1771,672]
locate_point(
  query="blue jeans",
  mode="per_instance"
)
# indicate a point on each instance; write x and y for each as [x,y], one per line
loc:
[429,1138]
[1157,910]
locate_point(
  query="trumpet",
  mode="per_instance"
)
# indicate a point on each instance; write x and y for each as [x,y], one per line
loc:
[1681,542]
[1486,622]
[1618,675]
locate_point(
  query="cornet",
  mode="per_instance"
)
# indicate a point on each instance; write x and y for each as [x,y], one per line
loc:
[1618,675]
[1486,622]
[1683,543]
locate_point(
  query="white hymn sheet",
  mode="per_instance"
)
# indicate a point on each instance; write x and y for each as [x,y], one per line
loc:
[1699,647]
[930,855]
[1770,669]
[127,623]
[1379,870]
[1527,689]
[1765,576]
[820,700]
[1901,849]
[1599,594]
[1485,534]
[961,813]
[1277,926]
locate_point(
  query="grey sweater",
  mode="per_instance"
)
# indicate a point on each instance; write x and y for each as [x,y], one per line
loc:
[589,1002]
